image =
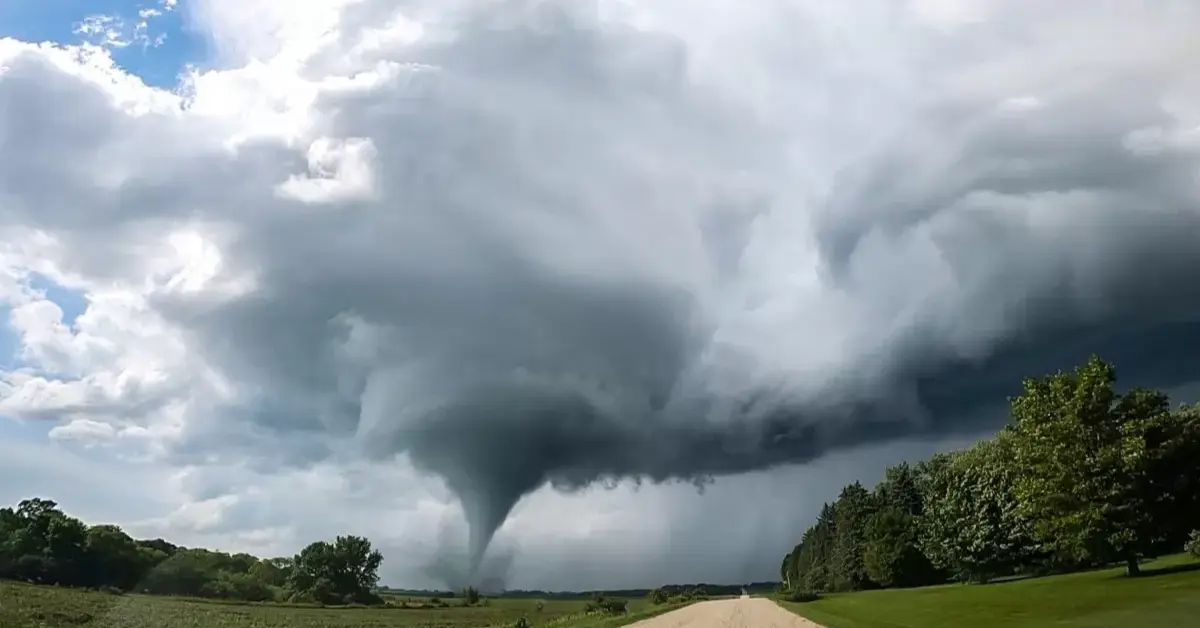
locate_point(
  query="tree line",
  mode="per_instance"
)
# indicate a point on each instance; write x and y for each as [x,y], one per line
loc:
[41,544]
[1080,477]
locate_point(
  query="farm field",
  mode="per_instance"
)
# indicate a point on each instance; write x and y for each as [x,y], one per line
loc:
[26,606]
[1167,596]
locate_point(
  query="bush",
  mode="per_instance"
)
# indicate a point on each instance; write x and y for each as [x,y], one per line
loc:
[607,606]
[1193,544]
[803,595]
[539,606]
[521,623]
[658,596]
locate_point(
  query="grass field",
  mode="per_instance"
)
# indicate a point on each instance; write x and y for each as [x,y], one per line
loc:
[25,606]
[1168,595]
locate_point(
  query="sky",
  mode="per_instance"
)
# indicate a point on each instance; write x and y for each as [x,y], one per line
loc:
[581,293]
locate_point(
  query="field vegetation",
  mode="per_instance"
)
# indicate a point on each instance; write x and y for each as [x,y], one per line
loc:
[39,606]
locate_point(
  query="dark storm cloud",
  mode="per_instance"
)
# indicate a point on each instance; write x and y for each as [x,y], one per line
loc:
[534,301]
[593,253]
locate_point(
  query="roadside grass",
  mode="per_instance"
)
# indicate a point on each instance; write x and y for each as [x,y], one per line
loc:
[636,613]
[1167,595]
[28,606]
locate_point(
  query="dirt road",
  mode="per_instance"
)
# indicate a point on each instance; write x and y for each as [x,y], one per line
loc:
[741,613]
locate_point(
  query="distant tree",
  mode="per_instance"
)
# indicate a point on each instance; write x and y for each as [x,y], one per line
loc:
[272,571]
[44,545]
[344,571]
[113,558]
[39,543]
[470,596]
[189,572]
[1087,459]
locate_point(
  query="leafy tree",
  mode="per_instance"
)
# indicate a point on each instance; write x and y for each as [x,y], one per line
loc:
[971,527]
[113,558]
[1171,483]
[41,544]
[44,545]
[272,571]
[818,574]
[344,571]
[1082,476]
[853,508]
[1087,457]
[891,555]
[900,490]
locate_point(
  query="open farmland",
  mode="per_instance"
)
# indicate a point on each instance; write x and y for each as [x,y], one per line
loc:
[26,606]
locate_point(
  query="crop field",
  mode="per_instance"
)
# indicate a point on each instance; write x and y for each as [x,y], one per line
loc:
[26,606]
[1166,596]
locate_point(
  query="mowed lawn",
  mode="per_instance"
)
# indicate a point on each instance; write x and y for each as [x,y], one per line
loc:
[1167,596]
[25,606]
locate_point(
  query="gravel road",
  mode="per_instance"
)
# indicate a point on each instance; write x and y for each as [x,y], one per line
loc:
[746,612]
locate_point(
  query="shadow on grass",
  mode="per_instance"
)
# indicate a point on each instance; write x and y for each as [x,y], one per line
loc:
[1009,579]
[1168,569]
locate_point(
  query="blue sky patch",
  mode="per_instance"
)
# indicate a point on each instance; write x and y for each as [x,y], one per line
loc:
[70,300]
[145,38]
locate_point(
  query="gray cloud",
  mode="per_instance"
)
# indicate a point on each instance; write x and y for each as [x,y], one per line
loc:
[598,252]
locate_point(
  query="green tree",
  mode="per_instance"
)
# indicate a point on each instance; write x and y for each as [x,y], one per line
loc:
[114,558]
[892,556]
[343,571]
[1087,455]
[853,508]
[900,490]
[971,527]
[43,544]
[1171,482]
[272,571]
[810,564]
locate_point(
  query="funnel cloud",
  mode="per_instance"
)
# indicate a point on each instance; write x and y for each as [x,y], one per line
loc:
[566,243]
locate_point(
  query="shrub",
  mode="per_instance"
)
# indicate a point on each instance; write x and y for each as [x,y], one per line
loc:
[521,623]
[607,606]
[658,596]
[539,606]
[803,595]
[1193,544]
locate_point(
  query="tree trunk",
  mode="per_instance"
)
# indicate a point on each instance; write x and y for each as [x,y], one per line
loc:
[1131,566]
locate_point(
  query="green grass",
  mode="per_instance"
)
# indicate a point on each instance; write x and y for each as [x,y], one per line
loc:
[26,606]
[1167,596]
